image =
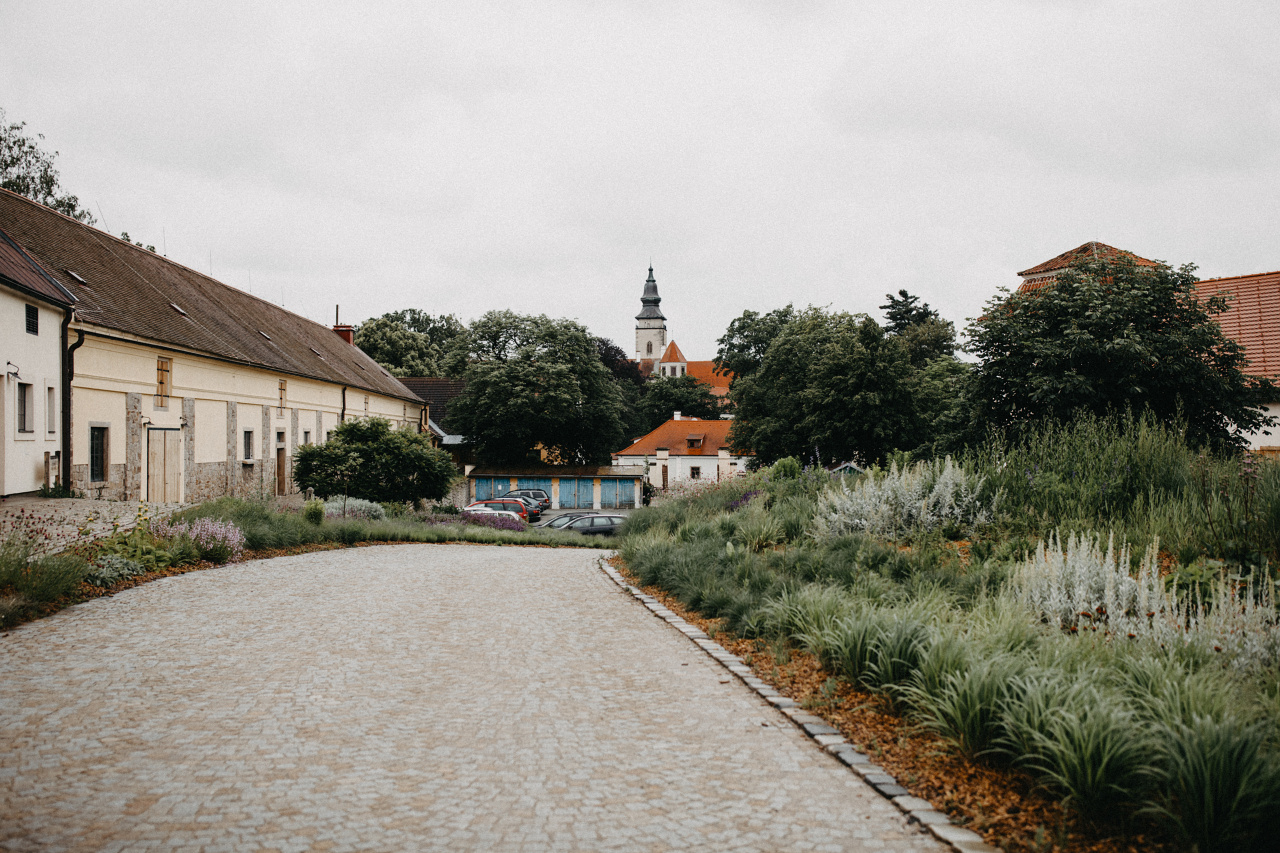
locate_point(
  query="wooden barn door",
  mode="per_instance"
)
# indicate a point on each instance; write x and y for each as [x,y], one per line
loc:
[164,465]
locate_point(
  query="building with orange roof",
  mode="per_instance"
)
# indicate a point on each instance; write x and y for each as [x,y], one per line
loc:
[1252,318]
[651,339]
[1041,274]
[685,449]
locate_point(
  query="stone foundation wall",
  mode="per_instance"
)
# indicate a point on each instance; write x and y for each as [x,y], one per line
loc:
[111,490]
[206,481]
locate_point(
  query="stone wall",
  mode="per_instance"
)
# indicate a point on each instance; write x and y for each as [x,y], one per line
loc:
[111,490]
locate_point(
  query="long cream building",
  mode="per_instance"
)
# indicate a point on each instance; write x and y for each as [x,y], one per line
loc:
[183,388]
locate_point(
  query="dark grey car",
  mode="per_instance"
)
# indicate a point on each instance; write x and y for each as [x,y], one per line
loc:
[596,525]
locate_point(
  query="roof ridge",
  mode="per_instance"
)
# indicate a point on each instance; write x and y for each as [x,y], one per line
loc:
[1242,275]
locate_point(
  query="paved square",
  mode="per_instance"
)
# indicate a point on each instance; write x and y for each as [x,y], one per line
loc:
[413,697]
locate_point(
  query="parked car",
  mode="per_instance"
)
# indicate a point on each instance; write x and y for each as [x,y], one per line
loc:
[543,499]
[595,525]
[513,505]
[531,504]
[484,510]
[561,520]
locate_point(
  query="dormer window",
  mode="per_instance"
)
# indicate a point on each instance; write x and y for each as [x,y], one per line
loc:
[695,440]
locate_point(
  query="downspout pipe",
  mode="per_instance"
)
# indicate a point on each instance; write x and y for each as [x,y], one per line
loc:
[68,373]
[342,418]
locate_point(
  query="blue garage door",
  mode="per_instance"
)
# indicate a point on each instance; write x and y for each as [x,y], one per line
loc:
[543,483]
[501,485]
[576,491]
[608,494]
[627,494]
[484,488]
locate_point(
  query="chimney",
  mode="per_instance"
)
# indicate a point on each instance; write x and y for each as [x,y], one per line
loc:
[676,416]
[347,333]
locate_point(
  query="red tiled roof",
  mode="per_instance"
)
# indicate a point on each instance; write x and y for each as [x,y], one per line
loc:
[674,436]
[19,271]
[1252,318]
[1041,274]
[705,371]
[128,289]
[672,353]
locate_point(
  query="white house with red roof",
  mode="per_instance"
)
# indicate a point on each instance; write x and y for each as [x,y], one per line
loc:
[685,449]
[1252,318]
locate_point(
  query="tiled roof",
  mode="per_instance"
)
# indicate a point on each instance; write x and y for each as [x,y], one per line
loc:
[558,471]
[1252,318]
[128,289]
[672,353]
[674,436]
[1041,274]
[436,392]
[705,371]
[20,272]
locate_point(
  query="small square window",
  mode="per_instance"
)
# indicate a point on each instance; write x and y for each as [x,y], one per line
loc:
[695,473]
[33,320]
[306,436]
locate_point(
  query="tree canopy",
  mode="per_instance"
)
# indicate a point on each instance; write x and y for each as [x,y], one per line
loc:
[409,342]
[534,383]
[366,458]
[748,337]
[26,169]
[664,395]
[835,387]
[1109,336]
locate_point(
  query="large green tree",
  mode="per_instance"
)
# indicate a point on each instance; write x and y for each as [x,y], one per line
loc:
[534,383]
[1109,336]
[26,169]
[748,337]
[409,342]
[834,387]
[366,458]
[664,395]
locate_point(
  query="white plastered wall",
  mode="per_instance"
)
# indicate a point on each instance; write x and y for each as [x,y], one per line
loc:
[33,360]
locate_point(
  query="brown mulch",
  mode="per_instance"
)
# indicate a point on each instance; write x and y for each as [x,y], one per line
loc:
[1002,804]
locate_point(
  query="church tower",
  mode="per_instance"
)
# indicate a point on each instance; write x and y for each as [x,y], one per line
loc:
[651,326]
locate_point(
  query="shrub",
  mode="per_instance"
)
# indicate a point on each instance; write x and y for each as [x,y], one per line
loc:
[899,503]
[1217,785]
[108,569]
[368,459]
[37,578]
[964,706]
[213,540]
[313,511]
[345,507]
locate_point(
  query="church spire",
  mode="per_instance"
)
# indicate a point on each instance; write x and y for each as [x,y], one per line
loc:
[649,301]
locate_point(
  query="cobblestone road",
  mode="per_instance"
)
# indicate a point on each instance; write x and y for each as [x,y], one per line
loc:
[411,697]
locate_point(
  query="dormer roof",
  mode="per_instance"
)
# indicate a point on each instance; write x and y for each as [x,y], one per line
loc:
[1041,274]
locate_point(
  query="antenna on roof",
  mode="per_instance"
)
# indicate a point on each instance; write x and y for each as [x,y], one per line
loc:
[164,244]
[105,227]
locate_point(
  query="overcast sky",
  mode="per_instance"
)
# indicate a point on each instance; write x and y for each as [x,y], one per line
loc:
[462,157]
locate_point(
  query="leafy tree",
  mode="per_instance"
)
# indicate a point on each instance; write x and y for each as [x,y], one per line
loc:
[664,395]
[619,363]
[1110,336]
[409,342]
[534,383]
[748,337]
[27,170]
[832,388]
[903,311]
[368,459]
